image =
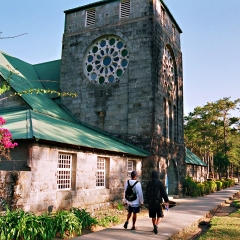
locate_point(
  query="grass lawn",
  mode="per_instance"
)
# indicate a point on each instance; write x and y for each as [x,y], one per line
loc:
[224,228]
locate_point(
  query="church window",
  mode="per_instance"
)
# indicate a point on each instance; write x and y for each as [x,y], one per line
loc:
[168,71]
[102,172]
[106,60]
[173,32]
[100,181]
[131,166]
[125,9]
[90,17]
[164,117]
[170,121]
[175,124]
[163,15]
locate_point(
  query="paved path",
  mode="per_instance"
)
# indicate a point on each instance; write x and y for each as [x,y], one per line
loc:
[188,212]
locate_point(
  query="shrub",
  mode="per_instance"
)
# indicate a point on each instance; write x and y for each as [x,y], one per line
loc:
[84,217]
[212,185]
[24,225]
[201,188]
[190,187]
[106,220]
[219,185]
[120,206]
[67,224]
[207,187]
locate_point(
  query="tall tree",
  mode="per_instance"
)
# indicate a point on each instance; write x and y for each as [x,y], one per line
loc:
[211,132]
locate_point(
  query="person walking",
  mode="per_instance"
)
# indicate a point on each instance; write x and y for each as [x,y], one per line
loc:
[155,193]
[133,206]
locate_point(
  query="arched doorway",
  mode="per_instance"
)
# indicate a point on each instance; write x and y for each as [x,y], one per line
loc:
[172,178]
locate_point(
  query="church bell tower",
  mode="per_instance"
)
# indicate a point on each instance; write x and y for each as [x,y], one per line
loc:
[123,59]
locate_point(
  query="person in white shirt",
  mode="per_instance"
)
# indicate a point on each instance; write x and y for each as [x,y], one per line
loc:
[134,206]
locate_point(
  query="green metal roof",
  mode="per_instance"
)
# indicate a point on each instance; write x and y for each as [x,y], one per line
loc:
[90,5]
[27,124]
[44,118]
[50,73]
[191,158]
[24,76]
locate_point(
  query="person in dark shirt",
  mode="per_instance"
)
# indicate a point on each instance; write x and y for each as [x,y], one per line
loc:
[155,193]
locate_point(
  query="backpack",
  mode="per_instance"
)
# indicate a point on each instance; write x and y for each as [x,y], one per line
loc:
[153,193]
[130,194]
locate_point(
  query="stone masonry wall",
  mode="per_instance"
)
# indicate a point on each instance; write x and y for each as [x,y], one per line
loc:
[36,190]
[133,108]
[125,106]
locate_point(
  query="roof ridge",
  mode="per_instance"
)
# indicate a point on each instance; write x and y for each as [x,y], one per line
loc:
[46,62]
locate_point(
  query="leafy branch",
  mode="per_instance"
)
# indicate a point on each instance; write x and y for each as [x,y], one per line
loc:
[39,91]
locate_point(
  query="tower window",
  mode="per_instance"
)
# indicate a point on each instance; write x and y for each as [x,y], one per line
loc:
[125,9]
[106,60]
[163,15]
[173,32]
[90,17]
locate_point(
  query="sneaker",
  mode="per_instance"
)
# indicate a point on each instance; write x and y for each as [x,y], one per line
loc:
[125,224]
[155,229]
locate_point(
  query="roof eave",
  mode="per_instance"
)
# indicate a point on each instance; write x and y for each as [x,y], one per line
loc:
[88,6]
[171,16]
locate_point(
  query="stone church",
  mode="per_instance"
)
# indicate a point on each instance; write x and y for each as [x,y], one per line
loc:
[123,59]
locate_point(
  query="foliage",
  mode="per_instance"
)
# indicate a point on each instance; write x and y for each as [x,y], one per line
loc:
[23,225]
[194,189]
[207,188]
[19,224]
[212,186]
[67,224]
[219,185]
[236,203]
[107,220]
[5,140]
[201,189]
[120,206]
[213,134]
[85,218]
[190,187]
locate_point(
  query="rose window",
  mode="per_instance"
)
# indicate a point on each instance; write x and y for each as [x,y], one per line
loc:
[168,70]
[106,60]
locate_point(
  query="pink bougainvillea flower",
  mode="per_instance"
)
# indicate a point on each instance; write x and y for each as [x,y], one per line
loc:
[5,136]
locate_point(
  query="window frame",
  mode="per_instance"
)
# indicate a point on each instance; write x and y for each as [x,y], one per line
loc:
[173,32]
[62,171]
[124,9]
[163,15]
[90,18]
[101,179]
[133,167]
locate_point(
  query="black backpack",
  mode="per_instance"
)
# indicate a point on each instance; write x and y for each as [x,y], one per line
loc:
[130,194]
[153,193]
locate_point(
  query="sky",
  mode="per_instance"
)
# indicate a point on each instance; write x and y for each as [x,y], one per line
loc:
[210,42]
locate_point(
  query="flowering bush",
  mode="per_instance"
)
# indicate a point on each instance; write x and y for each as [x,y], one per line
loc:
[5,140]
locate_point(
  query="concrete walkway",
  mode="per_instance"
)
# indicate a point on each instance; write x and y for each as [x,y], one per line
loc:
[187,213]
